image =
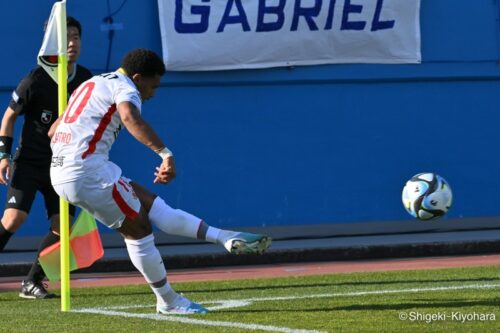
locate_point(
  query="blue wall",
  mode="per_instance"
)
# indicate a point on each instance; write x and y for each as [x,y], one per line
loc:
[305,145]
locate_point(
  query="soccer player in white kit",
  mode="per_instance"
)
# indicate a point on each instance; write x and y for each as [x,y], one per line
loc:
[82,173]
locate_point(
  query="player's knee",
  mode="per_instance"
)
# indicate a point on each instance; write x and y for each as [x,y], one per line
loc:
[144,229]
[136,228]
[145,196]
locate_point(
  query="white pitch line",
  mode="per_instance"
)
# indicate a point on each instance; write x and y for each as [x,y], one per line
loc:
[224,304]
[371,292]
[185,320]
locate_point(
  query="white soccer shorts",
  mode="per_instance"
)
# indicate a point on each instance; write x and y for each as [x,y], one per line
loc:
[107,200]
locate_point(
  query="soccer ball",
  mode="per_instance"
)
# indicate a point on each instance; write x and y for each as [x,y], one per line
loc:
[427,196]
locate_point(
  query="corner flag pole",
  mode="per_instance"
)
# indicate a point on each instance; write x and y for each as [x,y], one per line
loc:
[62,85]
[53,58]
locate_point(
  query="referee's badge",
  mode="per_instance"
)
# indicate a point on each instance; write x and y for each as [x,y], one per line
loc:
[46,116]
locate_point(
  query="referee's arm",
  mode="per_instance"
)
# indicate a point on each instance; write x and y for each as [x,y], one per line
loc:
[6,134]
[8,121]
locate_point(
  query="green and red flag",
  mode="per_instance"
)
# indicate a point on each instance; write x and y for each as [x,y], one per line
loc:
[85,248]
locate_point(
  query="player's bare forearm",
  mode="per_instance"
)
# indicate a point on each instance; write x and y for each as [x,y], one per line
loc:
[138,127]
[145,134]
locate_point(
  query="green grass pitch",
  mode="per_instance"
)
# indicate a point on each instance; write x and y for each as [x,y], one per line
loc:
[449,300]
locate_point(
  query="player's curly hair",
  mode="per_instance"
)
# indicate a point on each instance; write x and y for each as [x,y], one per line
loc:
[144,62]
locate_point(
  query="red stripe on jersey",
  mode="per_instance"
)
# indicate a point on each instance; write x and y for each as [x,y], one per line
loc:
[100,131]
[123,184]
[122,204]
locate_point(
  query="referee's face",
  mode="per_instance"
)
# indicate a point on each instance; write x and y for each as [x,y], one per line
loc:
[74,44]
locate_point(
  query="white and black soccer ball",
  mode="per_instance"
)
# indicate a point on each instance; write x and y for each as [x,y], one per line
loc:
[427,196]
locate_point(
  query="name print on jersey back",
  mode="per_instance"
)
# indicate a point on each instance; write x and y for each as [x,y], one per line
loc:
[61,137]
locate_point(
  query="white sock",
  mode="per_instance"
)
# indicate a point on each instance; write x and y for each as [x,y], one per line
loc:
[173,221]
[165,295]
[216,235]
[147,259]
[224,235]
[212,234]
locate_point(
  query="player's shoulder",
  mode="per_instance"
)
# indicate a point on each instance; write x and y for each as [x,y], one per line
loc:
[118,79]
[111,82]
[123,88]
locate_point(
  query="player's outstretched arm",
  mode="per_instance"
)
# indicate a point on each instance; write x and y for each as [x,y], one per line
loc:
[138,127]
[146,135]
[6,134]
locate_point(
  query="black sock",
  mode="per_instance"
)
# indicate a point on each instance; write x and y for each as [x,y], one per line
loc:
[36,272]
[4,237]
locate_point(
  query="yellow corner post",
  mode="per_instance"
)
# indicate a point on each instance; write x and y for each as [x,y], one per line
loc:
[62,80]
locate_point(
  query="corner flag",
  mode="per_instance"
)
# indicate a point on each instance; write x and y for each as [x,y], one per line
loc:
[53,58]
[54,42]
[85,248]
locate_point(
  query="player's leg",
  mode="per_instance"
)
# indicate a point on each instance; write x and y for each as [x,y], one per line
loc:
[180,223]
[118,207]
[137,231]
[147,259]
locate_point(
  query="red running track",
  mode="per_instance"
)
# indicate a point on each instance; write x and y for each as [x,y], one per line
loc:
[267,271]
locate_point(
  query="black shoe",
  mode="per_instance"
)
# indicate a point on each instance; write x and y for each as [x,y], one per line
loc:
[34,290]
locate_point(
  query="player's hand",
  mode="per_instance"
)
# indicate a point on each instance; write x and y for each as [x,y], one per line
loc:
[5,171]
[166,171]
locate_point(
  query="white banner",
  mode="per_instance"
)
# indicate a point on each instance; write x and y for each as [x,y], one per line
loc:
[233,34]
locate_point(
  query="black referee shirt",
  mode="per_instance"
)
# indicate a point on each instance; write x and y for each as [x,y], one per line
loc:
[36,98]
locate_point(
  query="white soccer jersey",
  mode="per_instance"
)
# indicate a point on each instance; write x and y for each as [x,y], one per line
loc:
[89,126]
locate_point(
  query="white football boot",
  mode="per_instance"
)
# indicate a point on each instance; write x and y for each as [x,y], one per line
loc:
[181,305]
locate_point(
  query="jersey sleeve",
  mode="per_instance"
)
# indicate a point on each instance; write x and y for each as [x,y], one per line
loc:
[21,96]
[126,93]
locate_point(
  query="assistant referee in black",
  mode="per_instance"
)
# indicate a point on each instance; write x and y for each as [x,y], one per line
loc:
[36,98]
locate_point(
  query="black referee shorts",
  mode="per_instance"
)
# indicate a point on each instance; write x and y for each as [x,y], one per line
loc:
[26,181]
